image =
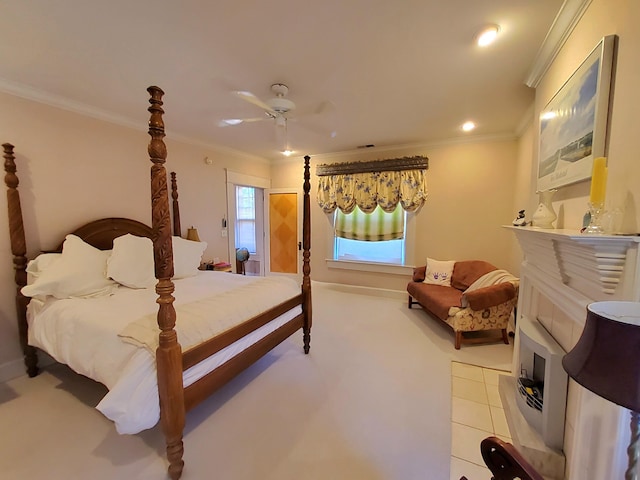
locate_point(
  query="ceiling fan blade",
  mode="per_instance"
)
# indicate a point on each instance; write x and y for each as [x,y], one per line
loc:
[232,122]
[251,98]
[314,128]
[322,108]
[325,107]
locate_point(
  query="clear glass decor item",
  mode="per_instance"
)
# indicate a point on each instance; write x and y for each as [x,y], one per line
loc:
[597,215]
[545,215]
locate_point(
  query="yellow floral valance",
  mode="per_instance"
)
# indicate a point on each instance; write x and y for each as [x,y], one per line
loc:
[385,183]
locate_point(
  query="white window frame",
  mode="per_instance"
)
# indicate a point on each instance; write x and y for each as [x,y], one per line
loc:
[396,269]
[233,179]
[254,220]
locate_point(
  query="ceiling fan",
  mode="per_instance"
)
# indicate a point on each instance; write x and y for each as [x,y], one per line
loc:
[278,108]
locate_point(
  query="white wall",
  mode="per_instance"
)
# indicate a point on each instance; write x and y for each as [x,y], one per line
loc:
[603,17]
[471,190]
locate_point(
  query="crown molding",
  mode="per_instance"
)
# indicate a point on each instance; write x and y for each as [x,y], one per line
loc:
[56,101]
[434,144]
[568,17]
[501,137]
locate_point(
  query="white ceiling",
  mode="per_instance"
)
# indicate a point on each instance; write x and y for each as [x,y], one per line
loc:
[396,72]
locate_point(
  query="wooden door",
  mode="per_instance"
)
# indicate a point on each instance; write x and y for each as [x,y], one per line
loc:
[284,232]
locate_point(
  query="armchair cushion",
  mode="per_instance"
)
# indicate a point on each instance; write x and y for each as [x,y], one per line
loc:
[419,273]
[437,299]
[488,296]
[468,271]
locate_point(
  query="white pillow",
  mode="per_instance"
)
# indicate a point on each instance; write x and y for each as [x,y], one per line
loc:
[439,272]
[80,272]
[39,264]
[187,256]
[131,262]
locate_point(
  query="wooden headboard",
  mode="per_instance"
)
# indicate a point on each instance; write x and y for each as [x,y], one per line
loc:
[101,233]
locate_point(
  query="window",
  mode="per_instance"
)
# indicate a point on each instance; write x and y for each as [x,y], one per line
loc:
[246,218]
[376,237]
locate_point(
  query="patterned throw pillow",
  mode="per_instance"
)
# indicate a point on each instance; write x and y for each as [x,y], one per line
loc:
[439,272]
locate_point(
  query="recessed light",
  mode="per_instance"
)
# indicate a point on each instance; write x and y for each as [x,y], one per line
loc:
[488,35]
[287,153]
[468,126]
[230,121]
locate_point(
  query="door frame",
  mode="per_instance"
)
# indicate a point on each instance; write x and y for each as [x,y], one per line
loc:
[267,236]
[240,179]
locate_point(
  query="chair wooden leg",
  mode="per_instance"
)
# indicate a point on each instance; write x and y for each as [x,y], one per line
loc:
[505,336]
[410,301]
[458,339]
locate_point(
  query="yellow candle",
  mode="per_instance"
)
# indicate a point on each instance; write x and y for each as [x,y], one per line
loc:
[598,180]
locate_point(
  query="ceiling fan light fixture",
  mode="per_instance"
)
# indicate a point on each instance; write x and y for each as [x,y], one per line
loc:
[281,121]
[488,35]
[281,105]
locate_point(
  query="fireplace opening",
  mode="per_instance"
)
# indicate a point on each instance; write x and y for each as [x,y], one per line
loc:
[531,386]
[541,388]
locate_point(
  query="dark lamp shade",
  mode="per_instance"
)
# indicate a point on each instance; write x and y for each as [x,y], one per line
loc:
[606,359]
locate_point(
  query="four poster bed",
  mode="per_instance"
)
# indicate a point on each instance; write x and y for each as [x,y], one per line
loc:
[120,329]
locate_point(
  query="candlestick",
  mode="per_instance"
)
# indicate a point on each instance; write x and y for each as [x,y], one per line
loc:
[595,223]
[598,181]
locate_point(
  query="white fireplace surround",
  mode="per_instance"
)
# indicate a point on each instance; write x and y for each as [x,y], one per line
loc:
[562,272]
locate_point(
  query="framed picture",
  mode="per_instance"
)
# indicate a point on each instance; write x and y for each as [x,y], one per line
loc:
[573,125]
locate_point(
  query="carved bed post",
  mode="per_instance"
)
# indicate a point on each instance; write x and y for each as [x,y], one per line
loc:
[177,231]
[19,251]
[306,255]
[169,353]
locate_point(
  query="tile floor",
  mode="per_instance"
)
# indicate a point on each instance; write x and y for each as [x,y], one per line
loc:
[476,413]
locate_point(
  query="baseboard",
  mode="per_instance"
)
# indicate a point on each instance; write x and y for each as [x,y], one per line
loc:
[376,292]
[16,368]
[12,369]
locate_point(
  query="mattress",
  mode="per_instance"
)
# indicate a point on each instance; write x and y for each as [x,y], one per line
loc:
[84,334]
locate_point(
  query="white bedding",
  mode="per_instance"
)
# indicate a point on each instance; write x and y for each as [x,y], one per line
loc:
[83,334]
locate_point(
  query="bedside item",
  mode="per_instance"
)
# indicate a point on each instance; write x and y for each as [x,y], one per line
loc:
[220,267]
[192,234]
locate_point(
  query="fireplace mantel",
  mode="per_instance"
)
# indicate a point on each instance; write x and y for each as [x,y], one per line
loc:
[600,267]
[561,273]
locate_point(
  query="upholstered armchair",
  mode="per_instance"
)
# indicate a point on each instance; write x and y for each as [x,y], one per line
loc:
[479,297]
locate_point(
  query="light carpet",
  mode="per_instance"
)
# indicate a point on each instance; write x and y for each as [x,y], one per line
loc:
[371,401]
